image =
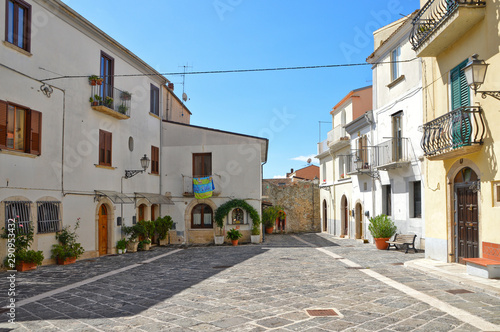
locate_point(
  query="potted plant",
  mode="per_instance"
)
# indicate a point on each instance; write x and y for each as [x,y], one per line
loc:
[132,233]
[95,101]
[255,237]
[162,226]
[234,235]
[121,246]
[21,258]
[122,109]
[144,245]
[108,101]
[93,79]
[269,216]
[382,229]
[125,95]
[67,250]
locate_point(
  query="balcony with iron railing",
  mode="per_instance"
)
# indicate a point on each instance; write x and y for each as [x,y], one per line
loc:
[440,23]
[111,101]
[454,134]
[362,161]
[393,153]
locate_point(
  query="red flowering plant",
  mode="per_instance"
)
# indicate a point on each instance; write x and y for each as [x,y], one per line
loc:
[19,239]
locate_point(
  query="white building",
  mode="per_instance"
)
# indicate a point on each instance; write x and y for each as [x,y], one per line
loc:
[336,163]
[397,103]
[64,156]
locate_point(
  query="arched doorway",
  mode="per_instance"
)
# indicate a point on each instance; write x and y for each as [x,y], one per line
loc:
[359,221]
[325,216]
[103,230]
[344,217]
[466,225]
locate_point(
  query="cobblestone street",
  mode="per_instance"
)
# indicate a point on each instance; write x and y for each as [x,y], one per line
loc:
[248,288]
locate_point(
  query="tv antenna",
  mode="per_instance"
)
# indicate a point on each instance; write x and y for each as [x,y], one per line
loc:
[184,95]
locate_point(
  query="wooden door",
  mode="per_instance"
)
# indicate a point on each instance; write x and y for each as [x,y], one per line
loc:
[359,221]
[103,230]
[345,215]
[467,223]
[325,217]
[142,211]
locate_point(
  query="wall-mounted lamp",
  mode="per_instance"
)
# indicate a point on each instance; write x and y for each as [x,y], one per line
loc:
[475,72]
[144,164]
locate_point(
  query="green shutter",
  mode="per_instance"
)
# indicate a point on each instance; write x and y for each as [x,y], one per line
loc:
[460,92]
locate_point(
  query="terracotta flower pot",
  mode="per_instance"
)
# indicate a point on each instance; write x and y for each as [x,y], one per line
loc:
[380,243]
[269,230]
[66,261]
[234,242]
[24,266]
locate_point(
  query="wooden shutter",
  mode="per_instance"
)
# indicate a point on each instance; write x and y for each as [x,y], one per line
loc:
[155,160]
[460,93]
[3,124]
[35,133]
[108,148]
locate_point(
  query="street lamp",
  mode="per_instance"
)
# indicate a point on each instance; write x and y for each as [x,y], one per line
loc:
[475,72]
[144,164]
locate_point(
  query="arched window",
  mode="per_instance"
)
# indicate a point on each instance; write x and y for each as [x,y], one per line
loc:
[237,217]
[202,216]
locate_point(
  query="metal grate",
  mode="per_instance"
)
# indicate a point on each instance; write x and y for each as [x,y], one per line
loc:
[48,216]
[459,291]
[21,212]
[322,313]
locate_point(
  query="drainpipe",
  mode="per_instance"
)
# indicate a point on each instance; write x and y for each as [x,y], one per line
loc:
[333,195]
[372,124]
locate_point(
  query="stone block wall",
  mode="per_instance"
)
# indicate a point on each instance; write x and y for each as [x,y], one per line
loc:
[301,202]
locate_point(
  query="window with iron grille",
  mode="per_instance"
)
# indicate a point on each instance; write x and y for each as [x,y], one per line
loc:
[49,217]
[19,211]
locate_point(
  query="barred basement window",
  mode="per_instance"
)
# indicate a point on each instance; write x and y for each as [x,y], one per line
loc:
[21,212]
[49,217]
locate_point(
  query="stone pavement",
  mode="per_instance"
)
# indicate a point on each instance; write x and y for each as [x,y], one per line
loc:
[248,288]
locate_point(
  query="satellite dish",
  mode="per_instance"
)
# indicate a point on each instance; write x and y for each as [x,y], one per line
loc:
[184,96]
[309,160]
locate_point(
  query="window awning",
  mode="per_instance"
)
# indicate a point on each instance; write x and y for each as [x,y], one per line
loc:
[155,198]
[115,196]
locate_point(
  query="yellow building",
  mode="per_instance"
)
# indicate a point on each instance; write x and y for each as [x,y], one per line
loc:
[461,175]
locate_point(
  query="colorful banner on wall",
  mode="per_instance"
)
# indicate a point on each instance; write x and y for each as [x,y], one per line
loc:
[203,187]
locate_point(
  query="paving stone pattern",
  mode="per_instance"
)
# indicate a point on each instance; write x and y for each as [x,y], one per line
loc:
[246,288]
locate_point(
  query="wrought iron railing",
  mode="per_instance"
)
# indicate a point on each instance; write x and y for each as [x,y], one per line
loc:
[111,97]
[433,14]
[48,217]
[393,150]
[362,160]
[459,128]
[20,212]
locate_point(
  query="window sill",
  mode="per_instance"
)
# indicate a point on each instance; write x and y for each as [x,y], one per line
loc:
[396,81]
[16,48]
[154,116]
[202,229]
[104,167]
[18,153]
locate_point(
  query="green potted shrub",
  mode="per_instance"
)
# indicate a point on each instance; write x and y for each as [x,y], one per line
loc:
[22,259]
[144,245]
[122,109]
[67,251]
[121,246]
[269,216]
[234,235]
[133,233]
[108,101]
[382,229]
[162,226]
[146,231]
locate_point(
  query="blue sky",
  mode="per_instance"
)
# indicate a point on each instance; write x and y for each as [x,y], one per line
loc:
[284,106]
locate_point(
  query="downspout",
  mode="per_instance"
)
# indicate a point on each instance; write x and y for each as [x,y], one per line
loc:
[372,123]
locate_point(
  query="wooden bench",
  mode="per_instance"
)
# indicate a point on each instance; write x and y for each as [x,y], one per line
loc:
[483,267]
[407,240]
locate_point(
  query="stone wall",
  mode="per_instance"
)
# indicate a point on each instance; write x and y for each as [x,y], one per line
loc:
[300,200]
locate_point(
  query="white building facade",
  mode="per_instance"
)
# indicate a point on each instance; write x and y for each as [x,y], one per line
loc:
[397,103]
[70,150]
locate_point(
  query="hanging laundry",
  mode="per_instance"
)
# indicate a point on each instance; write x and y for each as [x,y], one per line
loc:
[203,187]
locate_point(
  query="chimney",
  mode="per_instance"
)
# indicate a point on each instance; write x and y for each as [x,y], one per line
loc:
[291,171]
[171,86]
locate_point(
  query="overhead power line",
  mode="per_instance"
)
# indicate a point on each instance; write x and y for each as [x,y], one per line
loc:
[237,70]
